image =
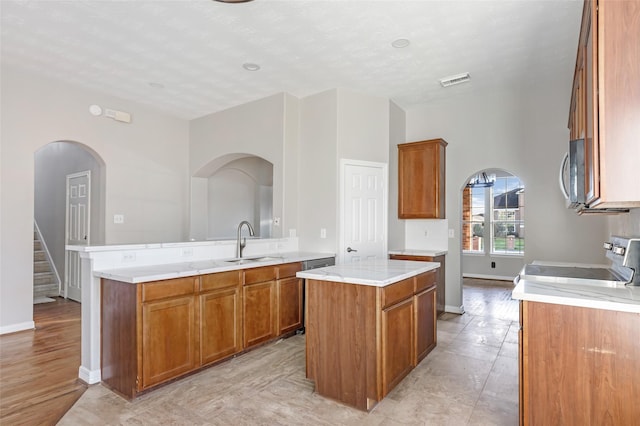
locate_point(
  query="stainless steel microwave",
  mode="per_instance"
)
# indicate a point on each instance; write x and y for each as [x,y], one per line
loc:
[572,174]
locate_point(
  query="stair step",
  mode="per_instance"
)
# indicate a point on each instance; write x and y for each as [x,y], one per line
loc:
[41,266]
[39,256]
[50,290]
[37,245]
[43,278]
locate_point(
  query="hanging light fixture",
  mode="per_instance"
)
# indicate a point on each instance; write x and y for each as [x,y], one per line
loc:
[482,180]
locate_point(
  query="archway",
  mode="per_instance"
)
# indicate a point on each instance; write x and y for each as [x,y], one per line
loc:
[53,162]
[228,190]
[493,228]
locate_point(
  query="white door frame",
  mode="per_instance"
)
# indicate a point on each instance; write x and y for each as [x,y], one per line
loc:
[385,201]
[86,173]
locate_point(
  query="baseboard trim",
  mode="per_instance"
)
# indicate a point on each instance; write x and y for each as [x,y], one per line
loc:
[488,277]
[454,309]
[89,376]
[14,328]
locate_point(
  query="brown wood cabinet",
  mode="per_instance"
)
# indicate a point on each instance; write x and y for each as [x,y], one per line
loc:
[158,331]
[605,101]
[363,340]
[289,291]
[439,274]
[421,179]
[168,332]
[425,321]
[259,305]
[220,315]
[578,366]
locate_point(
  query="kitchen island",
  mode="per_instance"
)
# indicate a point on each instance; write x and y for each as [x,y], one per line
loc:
[368,325]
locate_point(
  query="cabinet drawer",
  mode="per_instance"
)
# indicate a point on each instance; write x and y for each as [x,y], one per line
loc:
[426,280]
[289,270]
[220,280]
[258,275]
[396,292]
[169,288]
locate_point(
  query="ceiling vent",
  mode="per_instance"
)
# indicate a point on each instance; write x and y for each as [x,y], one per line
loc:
[455,79]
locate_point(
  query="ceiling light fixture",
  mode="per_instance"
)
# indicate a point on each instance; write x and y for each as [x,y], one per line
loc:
[400,43]
[233,1]
[250,67]
[455,79]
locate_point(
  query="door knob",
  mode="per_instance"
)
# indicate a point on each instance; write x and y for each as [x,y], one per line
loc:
[349,250]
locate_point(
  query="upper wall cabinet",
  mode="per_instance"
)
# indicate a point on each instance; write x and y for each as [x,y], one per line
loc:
[421,179]
[605,104]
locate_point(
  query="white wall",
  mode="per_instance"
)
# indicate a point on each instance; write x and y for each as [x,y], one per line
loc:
[318,172]
[146,179]
[626,224]
[525,132]
[336,124]
[397,135]
[256,128]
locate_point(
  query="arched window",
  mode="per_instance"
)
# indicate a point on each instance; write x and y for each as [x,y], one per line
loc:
[493,214]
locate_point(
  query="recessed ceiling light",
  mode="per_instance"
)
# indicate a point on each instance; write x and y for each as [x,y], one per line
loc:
[250,67]
[156,85]
[455,79]
[400,43]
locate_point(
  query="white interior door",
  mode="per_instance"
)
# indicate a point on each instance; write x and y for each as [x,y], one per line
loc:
[77,229]
[363,211]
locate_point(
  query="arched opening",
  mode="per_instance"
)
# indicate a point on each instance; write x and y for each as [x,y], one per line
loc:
[493,227]
[54,164]
[228,190]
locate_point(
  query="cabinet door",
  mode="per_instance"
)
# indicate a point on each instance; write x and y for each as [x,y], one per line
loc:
[220,319]
[168,342]
[425,307]
[591,149]
[259,312]
[289,305]
[397,343]
[421,180]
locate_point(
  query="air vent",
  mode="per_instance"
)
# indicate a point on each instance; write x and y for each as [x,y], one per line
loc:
[455,79]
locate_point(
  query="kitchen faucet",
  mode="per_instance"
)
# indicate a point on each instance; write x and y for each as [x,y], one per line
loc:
[241,244]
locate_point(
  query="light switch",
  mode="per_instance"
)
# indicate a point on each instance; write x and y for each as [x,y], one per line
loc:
[451,234]
[323,233]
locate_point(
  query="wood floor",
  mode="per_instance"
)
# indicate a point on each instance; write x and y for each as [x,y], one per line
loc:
[39,368]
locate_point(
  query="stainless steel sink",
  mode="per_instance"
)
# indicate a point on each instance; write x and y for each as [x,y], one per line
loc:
[244,260]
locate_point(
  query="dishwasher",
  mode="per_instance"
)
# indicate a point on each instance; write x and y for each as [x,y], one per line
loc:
[306,265]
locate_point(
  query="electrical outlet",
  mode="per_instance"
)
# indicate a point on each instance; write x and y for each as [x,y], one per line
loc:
[129,257]
[426,233]
[493,265]
[187,252]
[118,218]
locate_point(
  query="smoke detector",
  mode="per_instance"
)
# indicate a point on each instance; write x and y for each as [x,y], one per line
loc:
[455,79]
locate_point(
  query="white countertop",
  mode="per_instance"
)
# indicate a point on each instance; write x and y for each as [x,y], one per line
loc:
[140,274]
[379,273]
[587,295]
[419,252]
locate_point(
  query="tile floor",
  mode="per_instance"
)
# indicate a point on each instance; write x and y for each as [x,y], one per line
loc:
[470,378]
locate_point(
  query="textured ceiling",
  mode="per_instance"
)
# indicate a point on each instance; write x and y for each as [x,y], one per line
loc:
[196,48]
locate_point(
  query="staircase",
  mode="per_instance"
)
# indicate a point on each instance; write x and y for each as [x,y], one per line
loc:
[44,280]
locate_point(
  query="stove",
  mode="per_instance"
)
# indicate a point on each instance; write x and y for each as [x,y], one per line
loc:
[623,252]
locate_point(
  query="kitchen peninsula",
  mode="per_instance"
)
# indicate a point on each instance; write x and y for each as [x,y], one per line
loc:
[368,325]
